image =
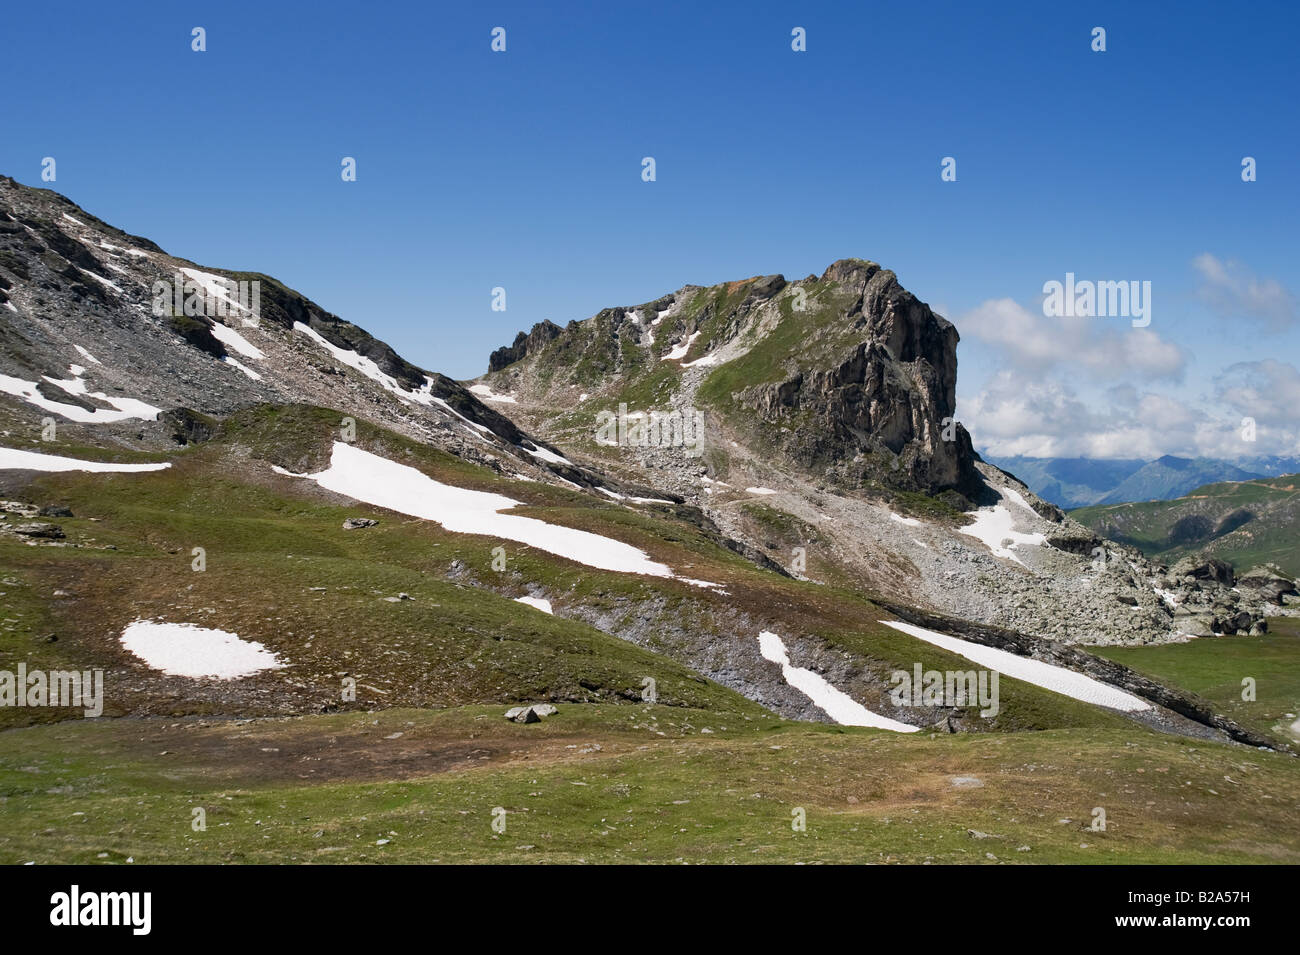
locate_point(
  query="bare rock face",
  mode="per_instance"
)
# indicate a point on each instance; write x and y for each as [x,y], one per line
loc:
[525,343]
[885,405]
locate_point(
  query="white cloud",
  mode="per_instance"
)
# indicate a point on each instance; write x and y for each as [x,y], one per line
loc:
[1099,347]
[1019,415]
[1233,291]
[1268,391]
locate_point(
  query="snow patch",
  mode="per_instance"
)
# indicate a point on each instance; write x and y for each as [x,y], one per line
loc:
[540,603]
[372,371]
[759,490]
[123,408]
[183,649]
[244,368]
[837,704]
[375,480]
[1168,596]
[709,359]
[487,394]
[1057,679]
[545,455]
[679,352]
[16,459]
[995,527]
[215,286]
[909,521]
[87,355]
[232,339]
[100,278]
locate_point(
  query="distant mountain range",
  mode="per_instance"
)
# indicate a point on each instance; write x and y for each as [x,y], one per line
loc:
[1082,482]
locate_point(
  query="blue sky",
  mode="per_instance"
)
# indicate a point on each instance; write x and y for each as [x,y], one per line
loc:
[522,170]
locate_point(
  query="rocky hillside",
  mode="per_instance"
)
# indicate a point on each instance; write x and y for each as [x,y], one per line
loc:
[819,431]
[1246,523]
[104,332]
[757,479]
[848,376]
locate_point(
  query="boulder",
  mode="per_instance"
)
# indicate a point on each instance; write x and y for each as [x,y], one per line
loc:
[1268,586]
[532,713]
[1205,568]
[40,530]
[352,523]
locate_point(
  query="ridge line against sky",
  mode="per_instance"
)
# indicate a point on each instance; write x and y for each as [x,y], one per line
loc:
[522,169]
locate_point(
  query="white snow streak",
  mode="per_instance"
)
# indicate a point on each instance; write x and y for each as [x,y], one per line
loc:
[16,459]
[1058,679]
[837,704]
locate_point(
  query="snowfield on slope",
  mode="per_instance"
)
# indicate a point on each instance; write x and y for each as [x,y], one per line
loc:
[123,408]
[835,703]
[183,649]
[1049,677]
[540,603]
[15,459]
[375,480]
[994,526]
[485,392]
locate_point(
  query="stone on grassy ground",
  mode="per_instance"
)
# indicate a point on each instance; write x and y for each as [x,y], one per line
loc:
[530,714]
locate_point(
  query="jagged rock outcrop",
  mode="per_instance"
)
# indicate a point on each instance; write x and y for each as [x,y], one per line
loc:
[886,406]
[525,343]
[1269,586]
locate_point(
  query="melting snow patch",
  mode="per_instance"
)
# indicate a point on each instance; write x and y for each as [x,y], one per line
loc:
[232,339]
[244,368]
[372,371]
[100,278]
[909,521]
[1058,679]
[182,649]
[540,603]
[14,459]
[368,477]
[86,355]
[759,490]
[994,526]
[546,455]
[837,704]
[487,394]
[679,352]
[1168,596]
[123,408]
[709,359]
[215,286]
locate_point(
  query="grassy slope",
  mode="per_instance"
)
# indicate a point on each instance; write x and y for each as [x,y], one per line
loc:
[658,789]
[1270,538]
[269,539]
[1215,668]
